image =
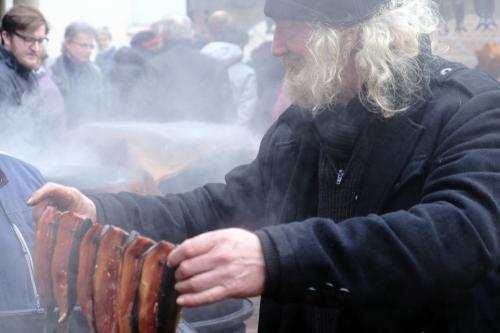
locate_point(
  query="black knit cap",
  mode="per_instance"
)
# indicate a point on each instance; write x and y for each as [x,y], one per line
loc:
[338,13]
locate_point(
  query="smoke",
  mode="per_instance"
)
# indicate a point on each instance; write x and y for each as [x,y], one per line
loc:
[32,134]
[170,118]
[101,155]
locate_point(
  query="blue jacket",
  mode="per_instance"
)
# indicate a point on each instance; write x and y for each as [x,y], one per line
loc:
[17,181]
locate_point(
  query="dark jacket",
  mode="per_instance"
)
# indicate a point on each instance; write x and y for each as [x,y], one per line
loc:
[421,252]
[22,105]
[183,84]
[128,70]
[105,60]
[18,180]
[16,81]
[82,89]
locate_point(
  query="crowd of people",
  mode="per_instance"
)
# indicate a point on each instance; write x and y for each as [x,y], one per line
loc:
[485,10]
[373,204]
[162,76]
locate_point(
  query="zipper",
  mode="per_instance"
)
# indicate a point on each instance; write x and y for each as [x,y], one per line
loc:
[340,176]
[29,261]
[27,256]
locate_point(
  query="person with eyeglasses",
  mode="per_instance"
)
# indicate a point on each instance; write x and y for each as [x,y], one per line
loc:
[24,34]
[77,77]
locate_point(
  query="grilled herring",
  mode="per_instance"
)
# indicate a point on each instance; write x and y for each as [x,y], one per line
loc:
[85,288]
[45,234]
[128,285]
[107,268]
[68,234]
[158,310]
[122,282]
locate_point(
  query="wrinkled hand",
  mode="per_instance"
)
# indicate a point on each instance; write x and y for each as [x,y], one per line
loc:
[218,265]
[63,198]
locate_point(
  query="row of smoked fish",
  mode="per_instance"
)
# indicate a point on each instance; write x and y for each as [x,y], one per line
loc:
[120,280]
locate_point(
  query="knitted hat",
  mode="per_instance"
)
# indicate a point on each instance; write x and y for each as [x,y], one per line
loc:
[339,13]
[144,38]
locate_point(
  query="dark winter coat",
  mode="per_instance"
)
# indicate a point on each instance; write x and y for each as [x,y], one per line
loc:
[18,180]
[82,88]
[183,84]
[421,251]
[129,68]
[22,105]
[16,81]
[105,60]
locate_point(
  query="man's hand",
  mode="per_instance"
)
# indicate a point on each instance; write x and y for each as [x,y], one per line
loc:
[218,265]
[63,198]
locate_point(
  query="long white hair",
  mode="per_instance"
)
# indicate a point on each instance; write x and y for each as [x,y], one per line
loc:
[383,51]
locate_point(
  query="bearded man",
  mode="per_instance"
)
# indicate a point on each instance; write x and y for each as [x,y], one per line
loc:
[373,203]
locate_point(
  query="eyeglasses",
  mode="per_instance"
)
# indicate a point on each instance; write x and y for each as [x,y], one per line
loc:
[84,45]
[31,41]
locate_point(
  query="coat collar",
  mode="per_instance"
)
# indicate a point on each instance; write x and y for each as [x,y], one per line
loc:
[11,62]
[383,148]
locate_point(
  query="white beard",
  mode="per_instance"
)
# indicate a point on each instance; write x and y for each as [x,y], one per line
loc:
[307,85]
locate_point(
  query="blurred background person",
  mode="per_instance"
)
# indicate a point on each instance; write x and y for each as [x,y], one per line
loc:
[105,51]
[226,46]
[485,10]
[181,83]
[23,101]
[78,79]
[452,9]
[459,12]
[52,97]
[105,59]
[445,11]
[146,42]
[24,32]
[129,68]
[270,74]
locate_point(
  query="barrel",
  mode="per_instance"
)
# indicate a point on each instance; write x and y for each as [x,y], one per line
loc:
[222,317]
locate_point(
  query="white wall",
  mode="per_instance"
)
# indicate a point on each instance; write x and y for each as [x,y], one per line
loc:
[147,11]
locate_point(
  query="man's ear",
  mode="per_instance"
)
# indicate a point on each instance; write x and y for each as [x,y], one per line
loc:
[64,45]
[6,40]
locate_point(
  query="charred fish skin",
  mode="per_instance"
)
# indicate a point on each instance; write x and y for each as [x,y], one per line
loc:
[155,276]
[169,313]
[86,267]
[105,282]
[128,287]
[60,266]
[74,259]
[45,236]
